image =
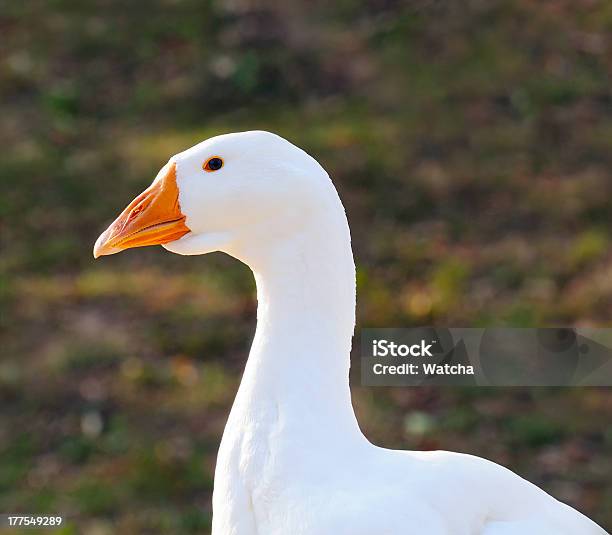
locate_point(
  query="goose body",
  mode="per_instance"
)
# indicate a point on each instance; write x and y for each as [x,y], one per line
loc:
[292,458]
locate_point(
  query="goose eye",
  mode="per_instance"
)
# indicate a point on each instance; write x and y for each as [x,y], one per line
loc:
[213,164]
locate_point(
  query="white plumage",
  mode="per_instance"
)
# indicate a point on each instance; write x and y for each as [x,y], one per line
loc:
[293,460]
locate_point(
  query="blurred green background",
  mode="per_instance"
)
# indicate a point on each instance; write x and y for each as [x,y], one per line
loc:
[470,141]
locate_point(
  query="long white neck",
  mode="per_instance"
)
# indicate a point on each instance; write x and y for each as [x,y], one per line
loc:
[299,362]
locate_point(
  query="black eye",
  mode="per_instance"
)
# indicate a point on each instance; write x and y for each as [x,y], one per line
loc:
[213,164]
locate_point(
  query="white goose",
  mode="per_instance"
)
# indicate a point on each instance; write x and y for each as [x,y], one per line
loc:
[292,459]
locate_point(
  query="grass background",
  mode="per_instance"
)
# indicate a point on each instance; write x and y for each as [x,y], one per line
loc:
[471,144]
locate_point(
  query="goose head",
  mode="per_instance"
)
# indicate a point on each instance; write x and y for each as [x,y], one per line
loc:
[235,193]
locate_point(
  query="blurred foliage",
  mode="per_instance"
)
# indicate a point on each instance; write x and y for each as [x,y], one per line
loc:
[470,141]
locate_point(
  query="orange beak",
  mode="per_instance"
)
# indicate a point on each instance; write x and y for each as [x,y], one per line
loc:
[152,218]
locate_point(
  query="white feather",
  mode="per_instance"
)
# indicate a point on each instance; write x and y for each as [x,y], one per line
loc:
[293,460]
